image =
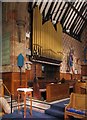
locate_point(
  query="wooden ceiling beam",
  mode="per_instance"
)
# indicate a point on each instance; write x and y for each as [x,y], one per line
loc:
[65,14]
[75,22]
[61,12]
[43,12]
[57,11]
[34,4]
[49,11]
[54,8]
[68,18]
[72,15]
[79,26]
[40,5]
[77,11]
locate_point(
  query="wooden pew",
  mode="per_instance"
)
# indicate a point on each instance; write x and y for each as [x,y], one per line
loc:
[78,86]
[77,106]
[57,91]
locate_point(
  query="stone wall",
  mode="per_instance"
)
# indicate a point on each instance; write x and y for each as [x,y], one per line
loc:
[71,43]
[15,22]
[78,47]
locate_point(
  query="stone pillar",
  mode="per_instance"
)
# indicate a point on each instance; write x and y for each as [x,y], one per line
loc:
[21,16]
[15,24]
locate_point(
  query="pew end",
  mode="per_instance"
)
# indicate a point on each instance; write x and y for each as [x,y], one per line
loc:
[77,106]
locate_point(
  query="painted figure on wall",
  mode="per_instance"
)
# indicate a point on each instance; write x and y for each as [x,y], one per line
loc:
[70,61]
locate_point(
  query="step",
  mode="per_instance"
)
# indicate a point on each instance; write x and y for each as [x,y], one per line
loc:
[37,114]
[38,104]
[55,113]
[60,106]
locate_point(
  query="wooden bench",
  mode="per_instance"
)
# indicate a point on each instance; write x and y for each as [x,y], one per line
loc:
[77,106]
[57,91]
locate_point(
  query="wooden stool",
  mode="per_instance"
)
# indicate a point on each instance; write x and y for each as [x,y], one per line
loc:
[25,91]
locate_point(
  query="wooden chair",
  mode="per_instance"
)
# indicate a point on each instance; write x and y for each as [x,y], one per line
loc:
[77,106]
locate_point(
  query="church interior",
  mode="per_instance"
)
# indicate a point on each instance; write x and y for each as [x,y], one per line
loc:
[43,59]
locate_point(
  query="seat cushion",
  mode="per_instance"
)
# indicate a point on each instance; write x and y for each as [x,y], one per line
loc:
[81,112]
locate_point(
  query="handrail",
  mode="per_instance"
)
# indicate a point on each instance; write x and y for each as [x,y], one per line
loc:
[6,88]
[9,94]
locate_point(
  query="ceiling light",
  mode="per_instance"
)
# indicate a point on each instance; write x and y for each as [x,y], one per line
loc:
[54,21]
[67,30]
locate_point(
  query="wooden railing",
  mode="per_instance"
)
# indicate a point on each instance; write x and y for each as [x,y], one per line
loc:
[9,94]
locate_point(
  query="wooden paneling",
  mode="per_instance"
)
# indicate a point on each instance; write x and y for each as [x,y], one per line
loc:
[57,91]
[16,76]
[66,76]
[12,81]
[39,70]
[30,74]
[16,84]
[76,76]
[44,83]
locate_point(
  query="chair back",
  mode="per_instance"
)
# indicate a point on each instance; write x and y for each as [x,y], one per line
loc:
[78,101]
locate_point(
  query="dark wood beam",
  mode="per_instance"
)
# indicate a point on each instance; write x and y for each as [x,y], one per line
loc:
[49,11]
[54,8]
[57,11]
[84,9]
[43,12]
[72,17]
[77,11]
[79,26]
[65,14]
[73,35]
[34,4]
[40,5]
[69,17]
[74,23]
[61,11]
